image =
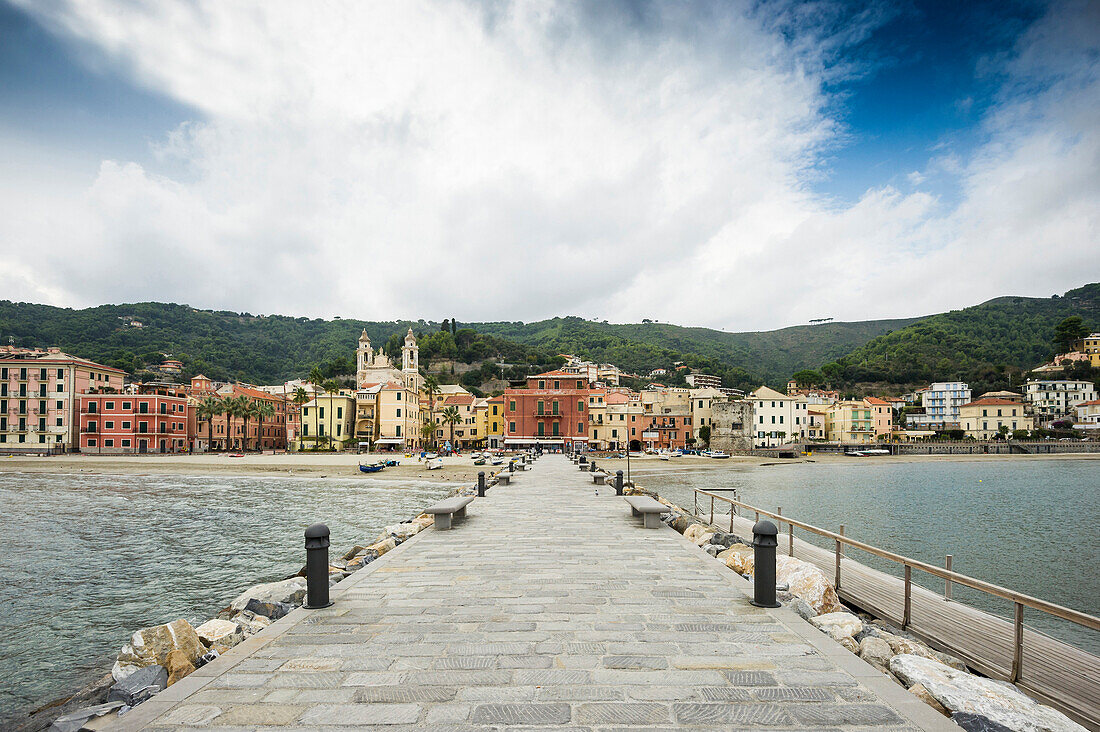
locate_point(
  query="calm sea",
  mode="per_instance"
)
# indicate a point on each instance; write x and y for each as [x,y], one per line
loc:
[86,560]
[1029,525]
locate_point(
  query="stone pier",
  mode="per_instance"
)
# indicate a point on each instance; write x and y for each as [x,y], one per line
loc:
[548,605]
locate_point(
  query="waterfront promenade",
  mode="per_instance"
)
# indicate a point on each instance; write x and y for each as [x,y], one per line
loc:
[548,605]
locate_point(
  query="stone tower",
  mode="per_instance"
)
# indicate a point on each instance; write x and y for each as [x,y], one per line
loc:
[410,362]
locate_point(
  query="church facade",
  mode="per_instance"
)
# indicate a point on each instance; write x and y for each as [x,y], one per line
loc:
[387,396]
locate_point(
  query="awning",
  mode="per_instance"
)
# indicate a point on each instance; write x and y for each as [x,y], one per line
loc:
[390,441]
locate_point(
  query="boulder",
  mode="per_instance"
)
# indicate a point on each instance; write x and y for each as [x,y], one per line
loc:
[251,623]
[74,721]
[876,652]
[404,531]
[150,646]
[986,700]
[838,625]
[271,610]
[361,560]
[139,686]
[178,665]
[425,520]
[921,693]
[220,634]
[739,558]
[802,608]
[352,552]
[289,592]
[849,644]
[693,532]
[808,582]
[682,523]
[726,539]
[381,547]
[904,644]
[713,549]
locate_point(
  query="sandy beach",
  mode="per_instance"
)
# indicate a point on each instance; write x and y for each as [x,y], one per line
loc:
[455,468]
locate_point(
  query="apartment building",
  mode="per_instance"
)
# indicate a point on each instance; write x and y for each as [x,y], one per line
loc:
[850,421]
[983,419]
[1051,399]
[778,418]
[154,420]
[328,420]
[701,381]
[39,397]
[552,411]
[941,402]
[882,414]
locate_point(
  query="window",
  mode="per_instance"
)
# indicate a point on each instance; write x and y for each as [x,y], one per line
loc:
[398,431]
[580,428]
[542,384]
[91,407]
[93,427]
[542,429]
[108,443]
[339,413]
[143,426]
[399,411]
[108,425]
[125,425]
[305,430]
[127,406]
[557,429]
[580,384]
[580,405]
[91,443]
[60,404]
[512,406]
[125,443]
[614,433]
[321,414]
[512,427]
[557,384]
[60,387]
[398,396]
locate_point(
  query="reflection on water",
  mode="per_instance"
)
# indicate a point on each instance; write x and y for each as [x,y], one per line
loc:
[88,559]
[1029,525]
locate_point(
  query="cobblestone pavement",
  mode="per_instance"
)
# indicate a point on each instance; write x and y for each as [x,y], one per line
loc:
[548,605]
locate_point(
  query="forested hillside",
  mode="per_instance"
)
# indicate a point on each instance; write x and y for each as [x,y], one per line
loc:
[976,344]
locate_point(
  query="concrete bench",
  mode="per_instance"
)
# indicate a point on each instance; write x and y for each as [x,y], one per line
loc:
[504,478]
[599,478]
[444,510]
[648,508]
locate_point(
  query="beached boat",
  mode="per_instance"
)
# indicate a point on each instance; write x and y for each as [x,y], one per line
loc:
[498,460]
[434,463]
[480,461]
[718,454]
[664,456]
[391,463]
[375,468]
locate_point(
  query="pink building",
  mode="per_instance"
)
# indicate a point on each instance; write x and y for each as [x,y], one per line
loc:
[39,397]
[882,415]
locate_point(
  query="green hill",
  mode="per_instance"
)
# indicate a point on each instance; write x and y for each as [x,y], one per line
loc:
[982,345]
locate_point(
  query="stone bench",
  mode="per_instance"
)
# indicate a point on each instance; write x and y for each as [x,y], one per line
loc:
[649,508]
[599,478]
[444,510]
[504,478]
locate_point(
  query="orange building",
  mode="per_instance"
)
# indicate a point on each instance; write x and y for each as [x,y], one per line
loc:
[226,432]
[152,420]
[552,411]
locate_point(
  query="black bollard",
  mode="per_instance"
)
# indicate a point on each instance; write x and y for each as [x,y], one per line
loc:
[618,482]
[592,467]
[481,484]
[317,567]
[763,558]
[511,466]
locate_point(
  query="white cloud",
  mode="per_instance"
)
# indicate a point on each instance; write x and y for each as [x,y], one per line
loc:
[422,159]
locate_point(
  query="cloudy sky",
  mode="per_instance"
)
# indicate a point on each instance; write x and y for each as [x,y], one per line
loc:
[740,165]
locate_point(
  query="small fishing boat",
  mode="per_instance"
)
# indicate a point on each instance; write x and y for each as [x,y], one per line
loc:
[479,461]
[430,455]
[664,456]
[718,455]
[374,468]
[434,463]
[236,454]
[498,460]
[391,463]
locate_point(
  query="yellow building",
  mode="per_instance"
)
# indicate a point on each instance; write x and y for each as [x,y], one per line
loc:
[850,422]
[1090,344]
[495,416]
[702,406]
[328,420]
[387,416]
[984,419]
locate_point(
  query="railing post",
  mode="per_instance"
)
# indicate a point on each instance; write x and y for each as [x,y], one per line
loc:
[842,544]
[790,539]
[836,582]
[712,511]
[317,542]
[947,583]
[906,613]
[1018,644]
[694,512]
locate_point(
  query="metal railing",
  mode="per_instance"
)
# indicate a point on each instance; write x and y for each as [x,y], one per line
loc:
[1019,599]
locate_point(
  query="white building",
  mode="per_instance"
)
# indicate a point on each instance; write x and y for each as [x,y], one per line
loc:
[702,381]
[941,402]
[1050,399]
[1088,415]
[778,418]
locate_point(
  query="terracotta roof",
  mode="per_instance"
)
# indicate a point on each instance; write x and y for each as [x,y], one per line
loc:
[992,402]
[876,400]
[564,374]
[1089,403]
[452,399]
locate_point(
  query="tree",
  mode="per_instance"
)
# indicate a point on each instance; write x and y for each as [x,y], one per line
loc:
[704,435]
[332,388]
[832,372]
[210,407]
[1002,431]
[235,407]
[430,388]
[451,417]
[264,410]
[301,398]
[427,430]
[246,412]
[1068,332]
[807,377]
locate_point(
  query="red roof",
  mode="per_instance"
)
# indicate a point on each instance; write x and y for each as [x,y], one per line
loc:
[876,400]
[993,402]
[563,374]
[458,399]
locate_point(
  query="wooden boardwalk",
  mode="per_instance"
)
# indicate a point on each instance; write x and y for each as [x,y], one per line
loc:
[1056,673]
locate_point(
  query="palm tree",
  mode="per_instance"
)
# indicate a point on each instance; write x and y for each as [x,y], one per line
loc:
[451,417]
[430,388]
[301,398]
[210,407]
[264,409]
[237,406]
[333,388]
[427,429]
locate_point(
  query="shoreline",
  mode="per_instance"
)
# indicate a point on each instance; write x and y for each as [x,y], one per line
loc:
[455,468]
